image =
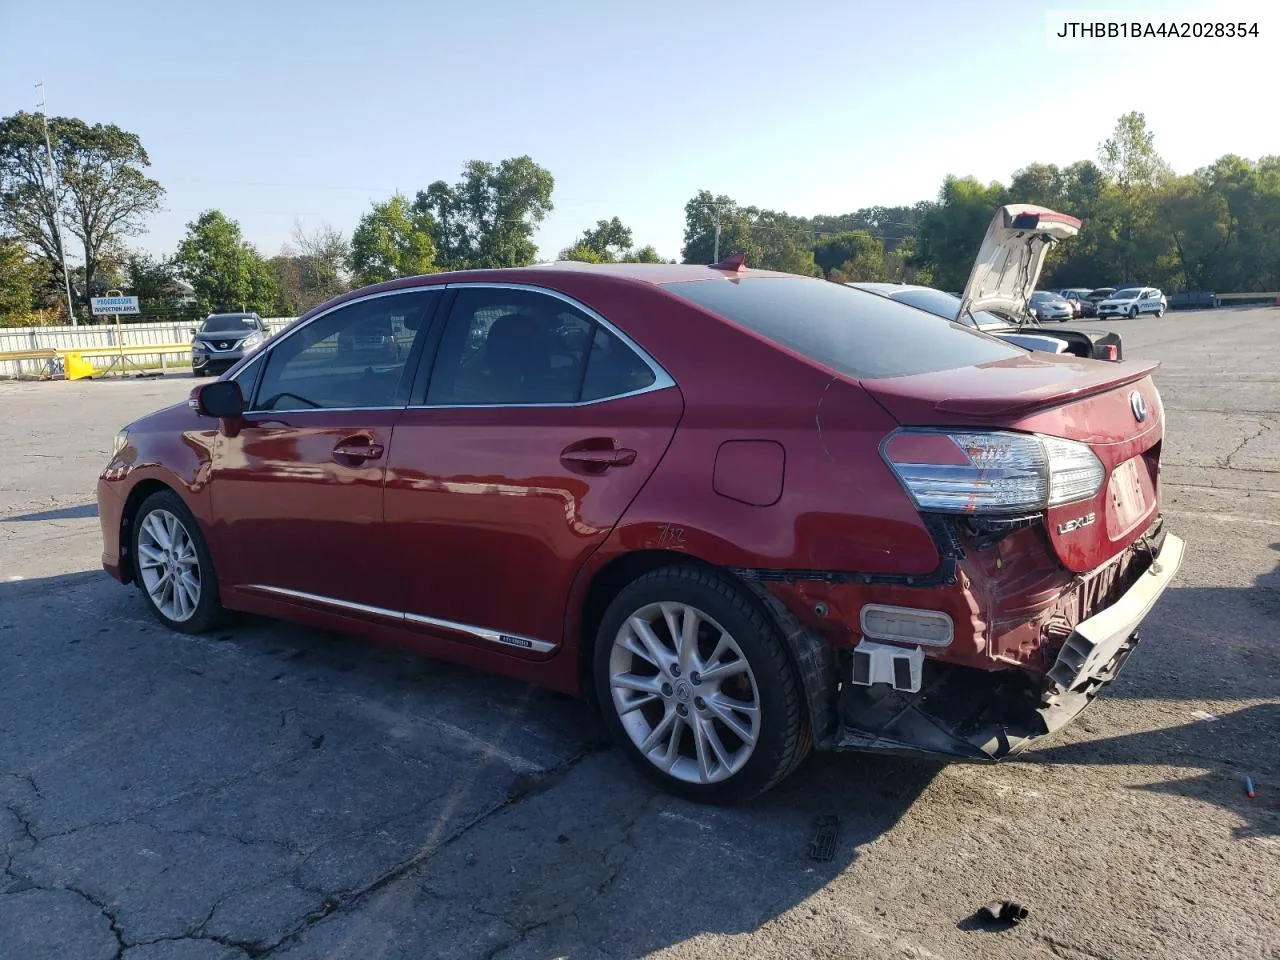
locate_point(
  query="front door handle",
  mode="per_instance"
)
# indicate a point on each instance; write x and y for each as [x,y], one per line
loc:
[358,451]
[617,457]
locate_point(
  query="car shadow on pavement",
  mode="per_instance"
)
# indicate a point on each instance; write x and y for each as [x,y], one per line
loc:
[80,512]
[304,794]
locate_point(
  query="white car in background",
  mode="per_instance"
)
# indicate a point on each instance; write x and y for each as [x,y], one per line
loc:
[1132,301]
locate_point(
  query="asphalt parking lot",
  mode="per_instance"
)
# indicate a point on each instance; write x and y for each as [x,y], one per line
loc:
[274,791]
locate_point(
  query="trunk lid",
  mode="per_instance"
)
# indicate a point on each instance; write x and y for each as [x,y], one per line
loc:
[1114,408]
[1012,253]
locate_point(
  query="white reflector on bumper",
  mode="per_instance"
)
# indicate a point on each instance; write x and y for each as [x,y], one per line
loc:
[906,624]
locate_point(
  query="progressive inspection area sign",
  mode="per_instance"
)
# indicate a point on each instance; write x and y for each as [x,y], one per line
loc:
[112,306]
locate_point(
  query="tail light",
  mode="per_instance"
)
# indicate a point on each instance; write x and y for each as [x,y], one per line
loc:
[1112,352]
[996,472]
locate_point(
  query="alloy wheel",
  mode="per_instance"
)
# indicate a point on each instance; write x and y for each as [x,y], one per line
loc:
[169,565]
[684,692]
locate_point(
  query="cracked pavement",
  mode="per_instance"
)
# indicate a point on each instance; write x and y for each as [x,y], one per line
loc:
[274,791]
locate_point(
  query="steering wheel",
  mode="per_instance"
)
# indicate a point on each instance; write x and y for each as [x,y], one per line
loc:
[270,404]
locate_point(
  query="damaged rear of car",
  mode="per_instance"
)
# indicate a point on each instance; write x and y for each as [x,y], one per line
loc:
[1033,478]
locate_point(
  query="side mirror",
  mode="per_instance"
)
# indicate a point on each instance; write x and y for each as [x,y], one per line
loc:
[221,399]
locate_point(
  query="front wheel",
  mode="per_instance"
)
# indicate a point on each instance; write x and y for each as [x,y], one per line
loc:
[172,565]
[696,685]
[1133,312]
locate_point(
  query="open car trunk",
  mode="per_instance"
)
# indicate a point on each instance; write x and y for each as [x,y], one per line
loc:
[1007,269]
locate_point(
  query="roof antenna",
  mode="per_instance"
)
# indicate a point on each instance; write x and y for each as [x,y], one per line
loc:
[735,262]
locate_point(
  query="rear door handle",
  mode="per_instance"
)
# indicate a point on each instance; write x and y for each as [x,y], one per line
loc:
[618,457]
[358,451]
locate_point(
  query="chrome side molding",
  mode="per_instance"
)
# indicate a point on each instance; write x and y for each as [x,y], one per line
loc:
[496,637]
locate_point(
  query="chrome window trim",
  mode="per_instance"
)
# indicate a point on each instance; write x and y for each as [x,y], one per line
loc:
[496,637]
[271,343]
[661,379]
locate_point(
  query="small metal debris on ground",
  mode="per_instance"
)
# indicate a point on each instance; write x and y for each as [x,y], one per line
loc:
[1003,911]
[1248,788]
[823,845]
[1203,715]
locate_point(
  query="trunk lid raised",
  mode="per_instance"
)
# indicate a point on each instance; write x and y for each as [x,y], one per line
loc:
[1008,265]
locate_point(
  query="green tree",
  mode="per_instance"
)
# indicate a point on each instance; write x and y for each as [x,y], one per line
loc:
[487,219]
[952,232]
[393,240]
[834,251]
[581,253]
[102,193]
[1131,239]
[312,268]
[226,271]
[645,254]
[609,241]
[700,216]
[20,282]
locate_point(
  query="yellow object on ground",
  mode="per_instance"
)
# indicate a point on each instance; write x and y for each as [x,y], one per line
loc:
[76,366]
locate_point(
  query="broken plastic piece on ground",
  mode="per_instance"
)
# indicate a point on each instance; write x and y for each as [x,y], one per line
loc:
[1248,788]
[1003,911]
[1203,715]
[823,845]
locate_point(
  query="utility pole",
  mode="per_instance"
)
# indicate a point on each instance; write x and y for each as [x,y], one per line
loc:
[715,256]
[53,202]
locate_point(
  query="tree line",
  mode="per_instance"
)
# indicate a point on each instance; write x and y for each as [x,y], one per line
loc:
[1217,228]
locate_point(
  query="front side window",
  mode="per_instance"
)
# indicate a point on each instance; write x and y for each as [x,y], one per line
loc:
[353,357]
[247,377]
[518,347]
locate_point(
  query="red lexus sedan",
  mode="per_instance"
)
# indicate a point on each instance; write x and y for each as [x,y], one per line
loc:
[749,513]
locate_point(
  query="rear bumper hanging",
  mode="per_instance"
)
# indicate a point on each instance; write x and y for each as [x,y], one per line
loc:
[960,712]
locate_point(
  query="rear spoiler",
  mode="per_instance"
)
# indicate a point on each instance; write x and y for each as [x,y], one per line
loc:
[1004,407]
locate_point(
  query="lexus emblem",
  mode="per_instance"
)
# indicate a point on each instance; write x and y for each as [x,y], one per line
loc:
[1138,405]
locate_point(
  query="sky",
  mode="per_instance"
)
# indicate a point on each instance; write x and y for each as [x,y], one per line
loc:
[278,111]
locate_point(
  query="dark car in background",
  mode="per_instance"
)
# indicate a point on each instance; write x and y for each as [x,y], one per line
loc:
[224,339]
[1078,297]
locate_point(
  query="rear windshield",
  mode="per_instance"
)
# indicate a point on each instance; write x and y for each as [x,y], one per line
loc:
[853,332]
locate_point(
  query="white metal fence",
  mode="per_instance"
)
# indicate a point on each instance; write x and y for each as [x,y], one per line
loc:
[104,335]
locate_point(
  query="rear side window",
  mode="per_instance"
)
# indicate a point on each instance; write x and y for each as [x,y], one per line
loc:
[518,347]
[853,332]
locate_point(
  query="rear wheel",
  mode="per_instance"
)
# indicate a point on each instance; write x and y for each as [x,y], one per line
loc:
[696,685]
[171,564]
[1159,311]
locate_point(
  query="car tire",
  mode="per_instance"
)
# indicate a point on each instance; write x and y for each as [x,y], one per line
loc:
[726,740]
[1133,313]
[1159,312]
[176,575]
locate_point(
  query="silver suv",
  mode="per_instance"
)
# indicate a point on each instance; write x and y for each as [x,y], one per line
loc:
[223,339]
